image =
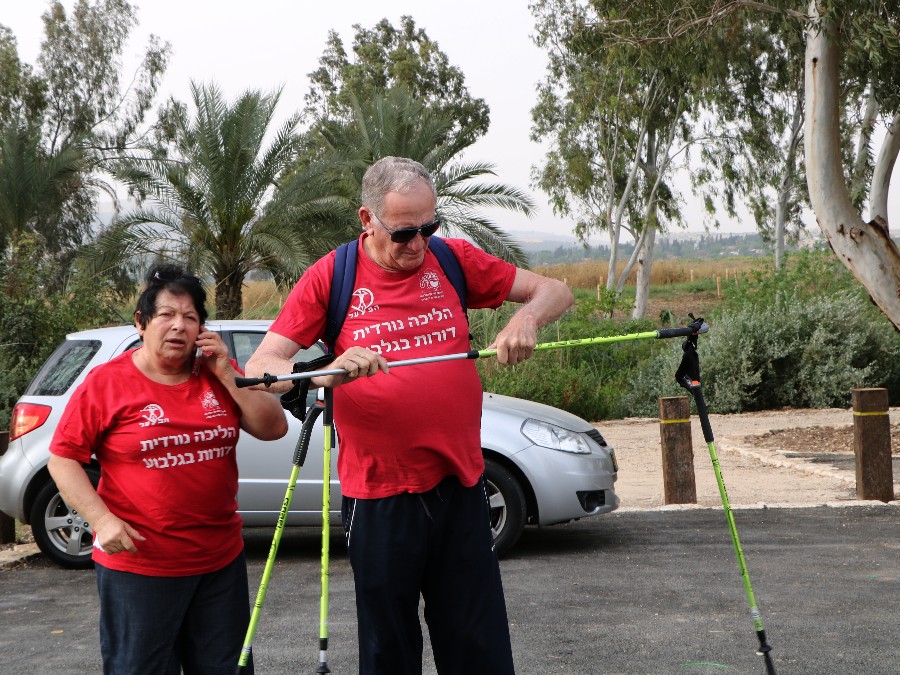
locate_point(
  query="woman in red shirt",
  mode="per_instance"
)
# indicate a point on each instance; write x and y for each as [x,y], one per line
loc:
[167,537]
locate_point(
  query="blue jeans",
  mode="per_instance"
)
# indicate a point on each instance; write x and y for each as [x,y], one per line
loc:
[168,624]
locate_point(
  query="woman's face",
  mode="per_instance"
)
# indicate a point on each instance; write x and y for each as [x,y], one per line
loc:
[171,333]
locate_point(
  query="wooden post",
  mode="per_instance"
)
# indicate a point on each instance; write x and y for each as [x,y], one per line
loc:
[872,444]
[679,485]
[718,286]
[7,523]
[692,275]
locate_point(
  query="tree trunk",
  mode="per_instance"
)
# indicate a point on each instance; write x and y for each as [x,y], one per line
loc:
[881,175]
[858,179]
[787,181]
[865,248]
[229,296]
[645,264]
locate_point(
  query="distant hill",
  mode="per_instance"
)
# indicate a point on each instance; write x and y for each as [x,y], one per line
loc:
[549,249]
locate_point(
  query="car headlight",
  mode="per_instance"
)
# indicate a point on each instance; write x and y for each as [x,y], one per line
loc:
[551,436]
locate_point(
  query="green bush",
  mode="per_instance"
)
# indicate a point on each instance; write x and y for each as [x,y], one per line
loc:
[35,317]
[795,352]
[584,380]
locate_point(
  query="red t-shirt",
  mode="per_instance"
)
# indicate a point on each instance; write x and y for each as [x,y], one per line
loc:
[408,430]
[168,463]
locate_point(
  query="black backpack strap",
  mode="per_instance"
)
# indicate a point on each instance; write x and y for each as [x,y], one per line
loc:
[341,291]
[451,267]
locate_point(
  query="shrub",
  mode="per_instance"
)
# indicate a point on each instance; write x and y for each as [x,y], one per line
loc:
[584,380]
[35,318]
[795,352]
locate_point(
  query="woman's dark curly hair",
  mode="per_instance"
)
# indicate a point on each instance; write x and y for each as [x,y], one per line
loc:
[175,280]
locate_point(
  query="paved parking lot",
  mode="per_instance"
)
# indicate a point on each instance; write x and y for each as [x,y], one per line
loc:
[639,592]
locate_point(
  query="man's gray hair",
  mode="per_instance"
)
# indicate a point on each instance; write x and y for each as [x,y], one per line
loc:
[392,174]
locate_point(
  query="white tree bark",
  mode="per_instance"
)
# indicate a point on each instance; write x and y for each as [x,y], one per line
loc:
[645,266]
[787,180]
[865,248]
[881,174]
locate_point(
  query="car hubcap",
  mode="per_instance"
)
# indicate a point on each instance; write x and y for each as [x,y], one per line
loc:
[66,528]
[497,507]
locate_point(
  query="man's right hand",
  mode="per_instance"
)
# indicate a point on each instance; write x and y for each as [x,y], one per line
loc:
[358,362]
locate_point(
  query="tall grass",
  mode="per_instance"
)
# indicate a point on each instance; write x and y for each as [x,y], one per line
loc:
[590,273]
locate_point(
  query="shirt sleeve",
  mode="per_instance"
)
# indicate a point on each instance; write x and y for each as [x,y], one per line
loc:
[302,319]
[79,431]
[488,278]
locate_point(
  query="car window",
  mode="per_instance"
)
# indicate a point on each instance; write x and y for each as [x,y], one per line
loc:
[245,344]
[63,368]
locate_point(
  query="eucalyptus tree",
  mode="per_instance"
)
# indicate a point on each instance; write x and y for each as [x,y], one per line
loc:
[618,119]
[386,56]
[850,48]
[203,202]
[327,178]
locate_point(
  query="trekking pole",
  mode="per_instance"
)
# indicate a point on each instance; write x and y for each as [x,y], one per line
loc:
[299,457]
[660,334]
[688,376]
[328,428]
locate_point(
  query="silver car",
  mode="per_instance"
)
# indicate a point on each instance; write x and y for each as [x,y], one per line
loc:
[542,465]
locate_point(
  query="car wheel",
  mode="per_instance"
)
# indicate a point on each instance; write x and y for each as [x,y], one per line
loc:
[60,531]
[507,506]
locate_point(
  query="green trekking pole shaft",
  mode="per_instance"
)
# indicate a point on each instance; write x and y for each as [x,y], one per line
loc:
[661,334]
[703,413]
[328,428]
[299,457]
[688,376]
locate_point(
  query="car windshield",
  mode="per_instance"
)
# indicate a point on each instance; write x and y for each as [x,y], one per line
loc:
[63,368]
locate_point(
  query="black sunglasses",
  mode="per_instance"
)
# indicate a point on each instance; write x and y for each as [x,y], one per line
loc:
[407,234]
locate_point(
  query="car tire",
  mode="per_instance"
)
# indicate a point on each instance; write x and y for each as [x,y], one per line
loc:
[506,501]
[60,531]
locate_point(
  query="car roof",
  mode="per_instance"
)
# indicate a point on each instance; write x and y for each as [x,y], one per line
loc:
[122,332]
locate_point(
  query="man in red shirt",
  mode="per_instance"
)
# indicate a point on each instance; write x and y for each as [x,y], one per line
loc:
[415,509]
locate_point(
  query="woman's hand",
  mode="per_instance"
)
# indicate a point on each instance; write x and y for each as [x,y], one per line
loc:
[214,354]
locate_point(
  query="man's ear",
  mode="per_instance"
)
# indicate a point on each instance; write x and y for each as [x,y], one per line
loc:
[366,220]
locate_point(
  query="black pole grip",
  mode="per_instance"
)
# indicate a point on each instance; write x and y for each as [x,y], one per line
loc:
[702,412]
[266,379]
[664,333]
[305,433]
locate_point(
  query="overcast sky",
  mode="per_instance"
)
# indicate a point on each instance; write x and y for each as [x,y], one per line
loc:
[267,44]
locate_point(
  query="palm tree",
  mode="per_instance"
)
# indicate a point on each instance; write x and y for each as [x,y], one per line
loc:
[336,154]
[206,203]
[35,186]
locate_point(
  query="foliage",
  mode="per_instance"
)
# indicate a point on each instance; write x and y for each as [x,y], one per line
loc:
[34,187]
[34,318]
[802,337]
[385,57]
[586,380]
[62,117]
[208,193]
[336,154]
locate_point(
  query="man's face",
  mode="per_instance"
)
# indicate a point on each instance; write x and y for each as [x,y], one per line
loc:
[408,209]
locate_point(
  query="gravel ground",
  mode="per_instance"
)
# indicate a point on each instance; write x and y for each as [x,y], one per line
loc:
[759,456]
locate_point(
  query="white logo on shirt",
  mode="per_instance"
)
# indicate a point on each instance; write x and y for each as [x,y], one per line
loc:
[363,302]
[211,405]
[430,283]
[154,414]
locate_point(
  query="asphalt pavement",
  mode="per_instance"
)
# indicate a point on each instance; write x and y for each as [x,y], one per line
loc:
[639,592]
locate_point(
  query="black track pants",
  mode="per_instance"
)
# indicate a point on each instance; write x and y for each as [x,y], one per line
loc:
[437,544]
